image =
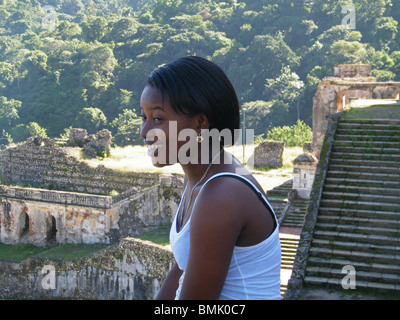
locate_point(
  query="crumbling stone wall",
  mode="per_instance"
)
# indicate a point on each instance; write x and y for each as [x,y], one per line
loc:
[41,216]
[269,153]
[335,93]
[134,270]
[93,145]
[41,163]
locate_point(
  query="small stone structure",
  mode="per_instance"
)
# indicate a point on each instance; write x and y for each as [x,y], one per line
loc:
[304,167]
[269,154]
[98,144]
[334,94]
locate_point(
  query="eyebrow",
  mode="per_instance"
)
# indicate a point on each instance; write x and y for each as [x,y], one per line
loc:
[155,108]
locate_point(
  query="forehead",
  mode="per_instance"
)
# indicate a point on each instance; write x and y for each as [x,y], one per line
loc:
[152,97]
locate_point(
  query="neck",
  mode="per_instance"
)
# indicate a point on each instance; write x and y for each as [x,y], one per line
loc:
[194,172]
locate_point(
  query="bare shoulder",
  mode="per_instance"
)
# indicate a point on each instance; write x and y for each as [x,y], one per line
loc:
[223,198]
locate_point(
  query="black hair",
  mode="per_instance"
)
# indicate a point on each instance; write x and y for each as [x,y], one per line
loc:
[196,85]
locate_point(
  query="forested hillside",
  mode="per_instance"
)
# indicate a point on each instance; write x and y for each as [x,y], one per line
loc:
[83,63]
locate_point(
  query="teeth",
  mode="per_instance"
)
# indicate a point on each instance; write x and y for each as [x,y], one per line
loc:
[152,148]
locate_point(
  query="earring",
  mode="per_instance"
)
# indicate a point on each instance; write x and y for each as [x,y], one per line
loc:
[199,138]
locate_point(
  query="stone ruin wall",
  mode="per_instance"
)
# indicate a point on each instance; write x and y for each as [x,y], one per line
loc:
[77,208]
[41,163]
[40,217]
[350,82]
[133,270]
[269,154]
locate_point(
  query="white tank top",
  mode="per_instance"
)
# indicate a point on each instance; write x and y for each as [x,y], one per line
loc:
[254,271]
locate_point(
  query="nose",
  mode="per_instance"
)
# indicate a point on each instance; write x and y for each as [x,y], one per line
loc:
[149,132]
[144,128]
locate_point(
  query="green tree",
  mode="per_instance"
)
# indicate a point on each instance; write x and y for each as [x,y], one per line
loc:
[126,129]
[9,109]
[22,132]
[287,86]
[91,119]
[294,136]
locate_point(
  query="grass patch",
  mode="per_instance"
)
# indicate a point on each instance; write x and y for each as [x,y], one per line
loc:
[135,159]
[65,252]
[373,112]
[159,236]
[19,252]
[72,252]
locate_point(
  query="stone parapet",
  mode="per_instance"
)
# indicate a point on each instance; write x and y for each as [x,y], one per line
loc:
[295,283]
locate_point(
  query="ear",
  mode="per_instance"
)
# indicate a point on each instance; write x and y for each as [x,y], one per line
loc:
[202,121]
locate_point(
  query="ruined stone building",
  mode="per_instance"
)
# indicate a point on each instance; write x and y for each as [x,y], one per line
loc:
[334,94]
[48,196]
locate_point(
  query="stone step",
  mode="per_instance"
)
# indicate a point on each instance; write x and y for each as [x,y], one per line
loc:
[393,249]
[391,199]
[372,138]
[370,131]
[358,265]
[361,168]
[363,162]
[355,237]
[364,175]
[360,205]
[360,276]
[365,156]
[292,219]
[361,182]
[370,126]
[371,121]
[361,229]
[360,189]
[354,255]
[369,214]
[366,150]
[361,285]
[373,145]
[293,225]
[359,221]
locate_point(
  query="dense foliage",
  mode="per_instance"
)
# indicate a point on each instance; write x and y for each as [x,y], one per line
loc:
[84,62]
[293,136]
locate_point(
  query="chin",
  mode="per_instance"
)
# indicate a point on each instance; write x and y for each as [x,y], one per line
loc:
[159,165]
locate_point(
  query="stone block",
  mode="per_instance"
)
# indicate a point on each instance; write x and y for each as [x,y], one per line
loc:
[269,154]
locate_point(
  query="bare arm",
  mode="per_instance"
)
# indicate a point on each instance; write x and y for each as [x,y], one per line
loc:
[170,285]
[215,226]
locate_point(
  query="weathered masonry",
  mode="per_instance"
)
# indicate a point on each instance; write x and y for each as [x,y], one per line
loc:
[41,216]
[79,210]
[335,93]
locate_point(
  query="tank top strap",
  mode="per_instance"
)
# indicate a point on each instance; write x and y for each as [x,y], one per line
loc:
[251,185]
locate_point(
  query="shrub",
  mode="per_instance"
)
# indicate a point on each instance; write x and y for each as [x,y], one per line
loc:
[294,136]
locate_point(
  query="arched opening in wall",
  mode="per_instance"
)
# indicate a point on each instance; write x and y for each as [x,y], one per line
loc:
[341,100]
[51,235]
[24,226]
[397,96]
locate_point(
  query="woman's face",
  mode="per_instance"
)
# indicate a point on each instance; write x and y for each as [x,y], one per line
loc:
[161,126]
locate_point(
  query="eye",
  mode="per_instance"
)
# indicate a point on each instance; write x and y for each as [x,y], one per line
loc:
[142,116]
[157,119]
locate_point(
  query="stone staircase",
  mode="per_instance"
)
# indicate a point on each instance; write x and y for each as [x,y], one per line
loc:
[289,246]
[295,216]
[278,197]
[358,222]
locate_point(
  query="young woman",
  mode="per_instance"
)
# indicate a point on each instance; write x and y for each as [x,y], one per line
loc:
[225,235]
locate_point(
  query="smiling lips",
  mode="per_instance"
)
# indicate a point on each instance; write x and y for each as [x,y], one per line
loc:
[152,148]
